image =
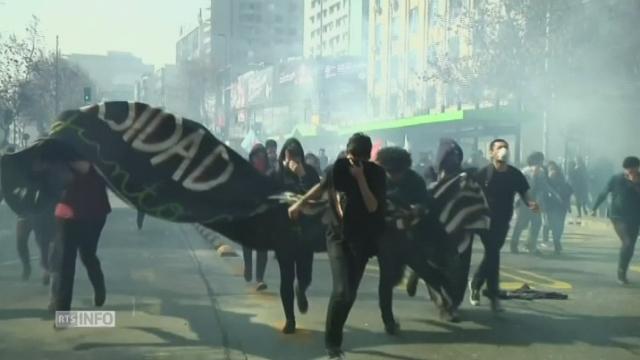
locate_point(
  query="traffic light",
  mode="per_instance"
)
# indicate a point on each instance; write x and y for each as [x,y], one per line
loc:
[87,95]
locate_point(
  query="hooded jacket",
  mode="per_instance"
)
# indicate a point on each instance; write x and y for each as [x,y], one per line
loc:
[287,179]
[449,157]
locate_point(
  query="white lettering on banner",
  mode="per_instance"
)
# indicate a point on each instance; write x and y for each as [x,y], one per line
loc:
[140,144]
[139,123]
[190,182]
[137,130]
[186,148]
[114,125]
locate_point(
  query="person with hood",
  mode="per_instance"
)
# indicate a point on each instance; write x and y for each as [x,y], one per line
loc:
[500,183]
[558,204]
[400,245]
[460,206]
[296,261]
[259,159]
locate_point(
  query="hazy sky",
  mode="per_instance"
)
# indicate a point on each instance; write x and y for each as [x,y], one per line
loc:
[147,28]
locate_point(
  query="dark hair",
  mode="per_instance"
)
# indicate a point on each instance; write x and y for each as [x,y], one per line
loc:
[394,159]
[360,145]
[271,144]
[631,162]
[535,158]
[495,141]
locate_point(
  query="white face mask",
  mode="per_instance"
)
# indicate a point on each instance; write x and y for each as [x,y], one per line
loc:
[502,154]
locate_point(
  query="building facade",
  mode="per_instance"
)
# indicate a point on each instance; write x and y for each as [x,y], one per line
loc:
[336,28]
[114,74]
[411,44]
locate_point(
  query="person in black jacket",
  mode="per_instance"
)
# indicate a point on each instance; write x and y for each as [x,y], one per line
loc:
[625,211]
[356,188]
[500,183]
[295,261]
[400,245]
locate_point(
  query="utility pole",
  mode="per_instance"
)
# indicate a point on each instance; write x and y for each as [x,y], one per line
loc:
[549,95]
[57,80]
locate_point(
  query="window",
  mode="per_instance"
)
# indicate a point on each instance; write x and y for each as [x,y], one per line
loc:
[454,47]
[413,20]
[432,55]
[394,71]
[395,27]
[412,61]
[378,39]
[434,12]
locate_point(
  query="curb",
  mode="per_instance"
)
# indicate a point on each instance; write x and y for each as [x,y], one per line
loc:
[216,241]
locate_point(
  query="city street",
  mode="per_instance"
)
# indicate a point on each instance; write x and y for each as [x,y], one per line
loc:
[176,298]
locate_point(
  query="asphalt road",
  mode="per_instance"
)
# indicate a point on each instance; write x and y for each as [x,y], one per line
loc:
[175,298]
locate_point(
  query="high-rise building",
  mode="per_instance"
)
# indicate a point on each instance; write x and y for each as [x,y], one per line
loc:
[245,33]
[336,28]
[411,43]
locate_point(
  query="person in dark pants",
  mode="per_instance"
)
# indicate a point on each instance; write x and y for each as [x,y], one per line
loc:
[625,211]
[356,189]
[81,216]
[257,158]
[400,245]
[558,204]
[295,260]
[140,219]
[500,183]
[460,205]
[579,180]
[536,176]
[44,227]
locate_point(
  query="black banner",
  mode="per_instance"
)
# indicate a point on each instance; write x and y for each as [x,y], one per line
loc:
[163,165]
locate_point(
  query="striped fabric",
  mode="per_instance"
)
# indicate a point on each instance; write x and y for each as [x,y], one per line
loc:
[461,207]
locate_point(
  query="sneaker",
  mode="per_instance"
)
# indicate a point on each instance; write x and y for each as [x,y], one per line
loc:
[474,295]
[261,286]
[449,315]
[46,279]
[289,327]
[26,273]
[335,354]
[496,307]
[303,302]
[622,278]
[99,296]
[412,284]
[392,327]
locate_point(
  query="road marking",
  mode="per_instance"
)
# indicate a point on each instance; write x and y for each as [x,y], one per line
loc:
[521,276]
[635,268]
[16,261]
[534,279]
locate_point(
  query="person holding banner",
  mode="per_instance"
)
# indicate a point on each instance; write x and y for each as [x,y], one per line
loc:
[296,260]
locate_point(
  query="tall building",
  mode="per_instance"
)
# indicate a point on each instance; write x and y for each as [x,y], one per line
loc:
[115,74]
[249,32]
[336,28]
[410,41]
